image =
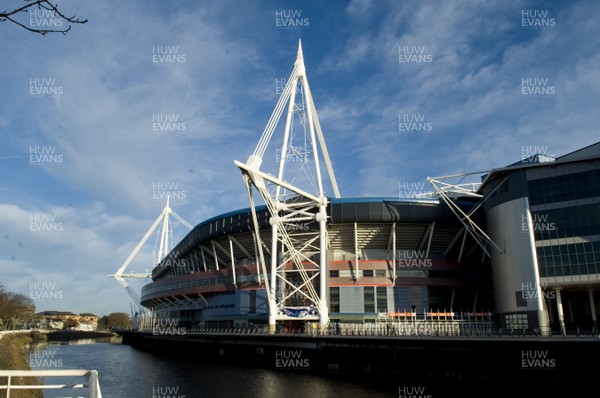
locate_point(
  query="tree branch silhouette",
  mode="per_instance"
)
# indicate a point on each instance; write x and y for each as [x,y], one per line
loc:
[12,16]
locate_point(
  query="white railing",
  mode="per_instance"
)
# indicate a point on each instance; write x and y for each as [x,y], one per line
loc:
[93,387]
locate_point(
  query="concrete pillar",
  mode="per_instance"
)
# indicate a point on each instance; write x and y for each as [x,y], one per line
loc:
[561,315]
[593,308]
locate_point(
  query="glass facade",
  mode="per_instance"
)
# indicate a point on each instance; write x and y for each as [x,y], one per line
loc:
[566,187]
[572,259]
[567,222]
[580,255]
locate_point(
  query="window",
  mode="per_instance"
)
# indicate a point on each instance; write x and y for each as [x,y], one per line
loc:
[566,187]
[252,302]
[521,301]
[567,222]
[572,259]
[382,299]
[334,299]
[516,321]
[369,296]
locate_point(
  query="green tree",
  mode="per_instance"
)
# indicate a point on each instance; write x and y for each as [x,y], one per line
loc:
[119,320]
[103,322]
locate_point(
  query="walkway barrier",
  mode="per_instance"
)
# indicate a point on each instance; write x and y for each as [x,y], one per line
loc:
[92,386]
[442,328]
[400,324]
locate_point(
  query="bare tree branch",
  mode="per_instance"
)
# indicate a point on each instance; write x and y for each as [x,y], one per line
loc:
[42,5]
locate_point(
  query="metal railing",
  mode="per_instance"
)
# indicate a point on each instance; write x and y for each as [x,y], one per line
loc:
[406,328]
[92,386]
[400,324]
[419,328]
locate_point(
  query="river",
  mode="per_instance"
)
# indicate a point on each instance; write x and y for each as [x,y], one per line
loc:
[125,372]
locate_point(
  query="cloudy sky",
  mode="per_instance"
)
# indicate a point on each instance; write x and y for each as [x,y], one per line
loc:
[149,98]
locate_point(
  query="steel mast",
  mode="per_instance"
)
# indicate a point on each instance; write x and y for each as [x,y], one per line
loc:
[298,217]
[164,247]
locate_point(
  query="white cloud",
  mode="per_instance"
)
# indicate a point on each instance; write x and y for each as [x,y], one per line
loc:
[74,251]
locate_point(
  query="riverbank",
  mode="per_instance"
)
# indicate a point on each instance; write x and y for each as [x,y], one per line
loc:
[463,365]
[12,357]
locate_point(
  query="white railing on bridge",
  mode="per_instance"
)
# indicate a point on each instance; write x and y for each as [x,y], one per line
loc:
[92,386]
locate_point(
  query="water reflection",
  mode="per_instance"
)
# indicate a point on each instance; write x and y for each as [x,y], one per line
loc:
[125,372]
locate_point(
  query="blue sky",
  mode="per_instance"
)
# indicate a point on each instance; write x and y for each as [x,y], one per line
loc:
[86,162]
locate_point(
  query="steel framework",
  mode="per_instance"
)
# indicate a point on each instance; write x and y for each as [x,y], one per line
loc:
[164,244]
[298,218]
[446,190]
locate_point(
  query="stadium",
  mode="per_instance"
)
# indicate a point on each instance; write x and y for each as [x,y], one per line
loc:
[519,249]
[213,275]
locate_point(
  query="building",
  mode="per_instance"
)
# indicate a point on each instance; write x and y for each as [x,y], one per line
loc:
[211,277]
[545,213]
[389,257]
[524,244]
[59,320]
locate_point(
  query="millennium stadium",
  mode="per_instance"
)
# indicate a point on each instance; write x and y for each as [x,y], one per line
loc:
[518,250]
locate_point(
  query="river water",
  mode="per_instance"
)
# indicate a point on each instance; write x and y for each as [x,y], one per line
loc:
[125,372]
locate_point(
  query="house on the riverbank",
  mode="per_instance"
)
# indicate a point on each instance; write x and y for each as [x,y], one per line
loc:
[61,320]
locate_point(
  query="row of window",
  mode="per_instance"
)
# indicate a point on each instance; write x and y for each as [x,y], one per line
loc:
[565,187]
[375,299]
[196,262]
[572,259]
[516,321]
[567,222]
[149,289]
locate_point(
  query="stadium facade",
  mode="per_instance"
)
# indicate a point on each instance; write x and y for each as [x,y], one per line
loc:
[213,278]
[544,212]
[523,245]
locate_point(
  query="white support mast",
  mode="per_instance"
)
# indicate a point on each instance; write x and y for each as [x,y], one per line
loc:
[164,248]
[298,215]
